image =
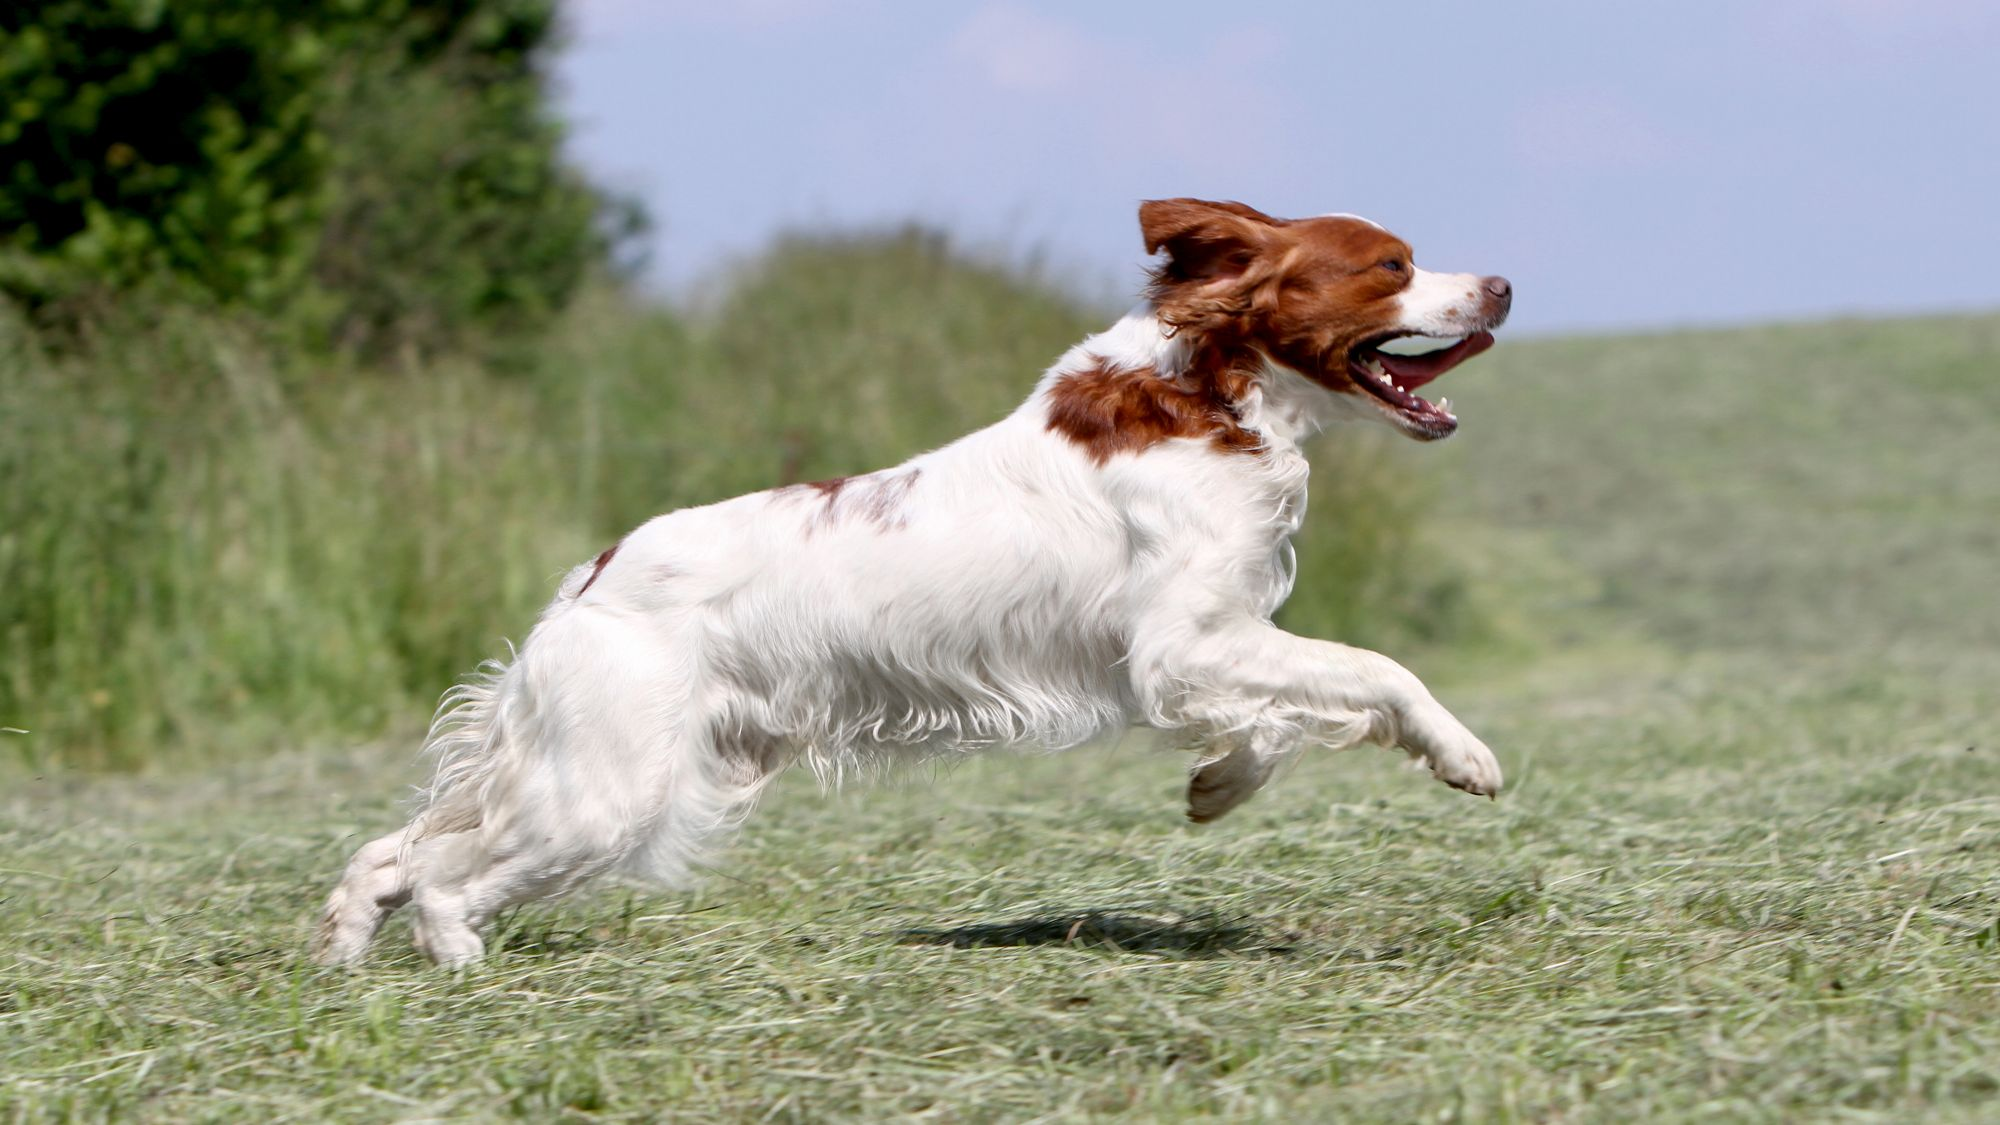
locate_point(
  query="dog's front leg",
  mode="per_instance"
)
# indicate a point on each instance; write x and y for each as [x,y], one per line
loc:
[1269,690]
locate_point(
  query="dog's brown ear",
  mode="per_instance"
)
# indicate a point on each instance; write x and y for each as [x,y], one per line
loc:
[1205,241]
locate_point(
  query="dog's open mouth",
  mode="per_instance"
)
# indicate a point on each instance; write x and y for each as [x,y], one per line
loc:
[1392,367]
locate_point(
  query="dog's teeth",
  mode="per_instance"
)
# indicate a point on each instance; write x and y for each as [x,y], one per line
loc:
[1444,404]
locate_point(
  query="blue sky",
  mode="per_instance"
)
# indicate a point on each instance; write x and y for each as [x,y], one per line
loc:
[1625,165]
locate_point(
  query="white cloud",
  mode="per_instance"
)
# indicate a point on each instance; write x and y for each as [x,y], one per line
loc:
[1023,51]
[1010,63]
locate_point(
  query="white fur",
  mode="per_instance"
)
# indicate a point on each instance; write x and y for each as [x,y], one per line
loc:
[1440,304]
[1355,217]
[1002,590]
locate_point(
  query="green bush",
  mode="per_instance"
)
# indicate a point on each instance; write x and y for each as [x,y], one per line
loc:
[141,138]
[386,171]
[450,214]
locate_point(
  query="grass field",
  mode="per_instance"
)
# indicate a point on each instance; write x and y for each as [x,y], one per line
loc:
[1741,660]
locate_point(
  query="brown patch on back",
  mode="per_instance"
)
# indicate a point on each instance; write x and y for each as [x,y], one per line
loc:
[1108,410]
[603,560]
[884,503]
[829,490]
[877,496]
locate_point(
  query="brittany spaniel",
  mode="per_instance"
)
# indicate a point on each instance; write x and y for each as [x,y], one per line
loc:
[1109,554]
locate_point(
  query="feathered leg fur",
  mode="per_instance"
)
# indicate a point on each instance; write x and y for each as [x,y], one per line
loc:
[590,751]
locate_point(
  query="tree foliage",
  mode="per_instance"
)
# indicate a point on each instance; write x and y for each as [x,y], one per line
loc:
[388,170]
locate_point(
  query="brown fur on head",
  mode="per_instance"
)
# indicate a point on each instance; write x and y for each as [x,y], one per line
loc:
[1302,290]
[1319,296]
[1217,259]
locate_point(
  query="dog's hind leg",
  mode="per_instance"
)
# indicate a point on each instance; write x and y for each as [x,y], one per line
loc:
[372,886]
[593,753]
[461,880]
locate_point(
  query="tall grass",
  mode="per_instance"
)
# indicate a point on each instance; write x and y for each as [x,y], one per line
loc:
[212,543]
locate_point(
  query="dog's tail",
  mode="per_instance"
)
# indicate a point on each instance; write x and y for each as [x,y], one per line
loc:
[464,745]
[478,720]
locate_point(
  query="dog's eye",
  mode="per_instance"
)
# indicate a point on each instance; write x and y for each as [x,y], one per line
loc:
[1393,265]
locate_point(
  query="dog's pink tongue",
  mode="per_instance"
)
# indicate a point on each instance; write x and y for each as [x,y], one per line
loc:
[1412,371]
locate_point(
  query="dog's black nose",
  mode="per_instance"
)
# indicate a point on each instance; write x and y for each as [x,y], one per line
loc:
[1499,287]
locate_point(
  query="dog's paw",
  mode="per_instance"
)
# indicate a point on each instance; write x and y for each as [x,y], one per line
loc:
[1464,762]
[342,937]
[331,947]
[1219,785]
[448,943]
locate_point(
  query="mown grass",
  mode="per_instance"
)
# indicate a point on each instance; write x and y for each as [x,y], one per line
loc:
[213,544]
[1634,932]
[1740,667]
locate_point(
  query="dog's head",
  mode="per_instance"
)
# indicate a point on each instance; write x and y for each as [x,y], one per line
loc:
[1336,299]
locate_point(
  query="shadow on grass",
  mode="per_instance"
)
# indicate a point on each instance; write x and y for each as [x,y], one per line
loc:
[1203,935]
